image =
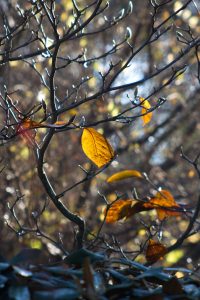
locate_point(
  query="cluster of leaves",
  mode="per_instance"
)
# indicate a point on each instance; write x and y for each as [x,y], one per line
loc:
[163,202]
[88,275]
[99,151]
[77,53]
[97,148]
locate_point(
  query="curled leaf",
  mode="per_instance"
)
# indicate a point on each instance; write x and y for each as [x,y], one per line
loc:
[123,209]
[96,147]
[146,115]
[161,202]
[124,174]
[155,251]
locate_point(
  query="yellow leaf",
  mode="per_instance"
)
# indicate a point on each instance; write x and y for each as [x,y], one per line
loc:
[147,116]
[124,174]
[161,202]
[155,251]
[96,147]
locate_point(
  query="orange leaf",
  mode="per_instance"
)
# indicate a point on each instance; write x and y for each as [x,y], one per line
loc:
[155,251]
[96,147]
[161,202]
[123,209]
[60,123]
[147,116]
[124,174]
[28,124]
[23,130]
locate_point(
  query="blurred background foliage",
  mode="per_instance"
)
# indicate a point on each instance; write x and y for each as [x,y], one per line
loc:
[154,148]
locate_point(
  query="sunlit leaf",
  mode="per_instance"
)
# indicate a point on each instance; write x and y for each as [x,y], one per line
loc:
[147,116]
[161,202]
[96,147]
[155,251]
[123,209]
[124,174]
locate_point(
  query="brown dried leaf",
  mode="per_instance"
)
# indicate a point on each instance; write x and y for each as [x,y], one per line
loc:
[155,251]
